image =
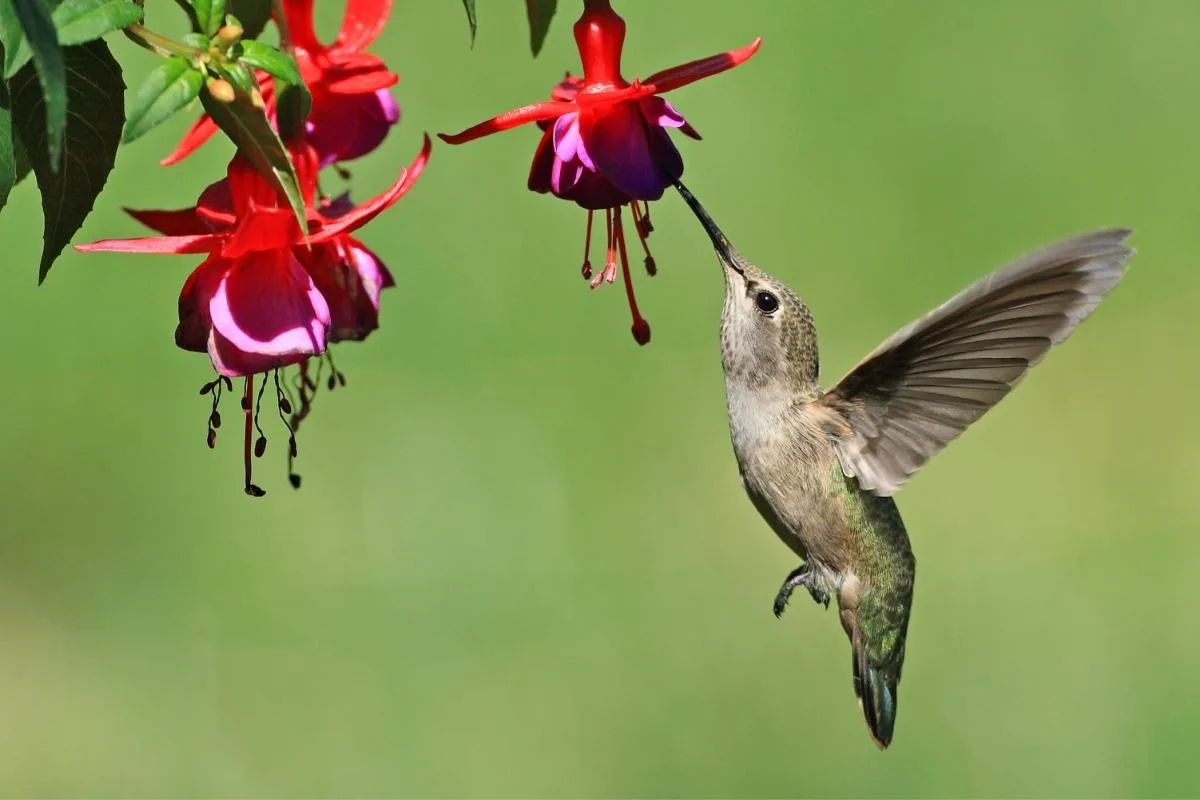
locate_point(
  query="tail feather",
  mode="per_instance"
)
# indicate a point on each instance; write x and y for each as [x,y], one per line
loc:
[875,687]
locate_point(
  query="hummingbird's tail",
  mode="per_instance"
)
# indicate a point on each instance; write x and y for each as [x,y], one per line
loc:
[878,627]
[875,687]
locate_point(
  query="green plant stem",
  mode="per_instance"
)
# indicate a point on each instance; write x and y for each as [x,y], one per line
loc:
[156,42]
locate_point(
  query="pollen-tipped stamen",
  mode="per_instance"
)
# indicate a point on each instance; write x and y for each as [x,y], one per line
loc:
[645,226]
[285,407]
[641,328]
[247,410]
[638,219]
[609,274]
[587,249]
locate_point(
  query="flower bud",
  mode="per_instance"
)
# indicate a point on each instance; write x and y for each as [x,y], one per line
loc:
[221,90]
[229,35]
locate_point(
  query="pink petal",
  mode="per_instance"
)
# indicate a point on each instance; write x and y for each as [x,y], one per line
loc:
[363,21]
[682,75]
[194,322]
[200,132]
[509,119]
[183,222]
[267,305]
[366,212]
[204,243]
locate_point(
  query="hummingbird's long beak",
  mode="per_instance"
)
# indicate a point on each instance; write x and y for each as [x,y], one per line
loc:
[729,257]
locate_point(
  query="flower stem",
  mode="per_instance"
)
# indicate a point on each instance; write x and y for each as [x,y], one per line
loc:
[157,43]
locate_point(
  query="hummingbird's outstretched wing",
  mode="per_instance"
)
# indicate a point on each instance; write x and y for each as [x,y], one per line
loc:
[923,386]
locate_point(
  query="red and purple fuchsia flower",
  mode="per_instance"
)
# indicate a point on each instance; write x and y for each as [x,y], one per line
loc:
[605,144]
[272,293]
[352,104]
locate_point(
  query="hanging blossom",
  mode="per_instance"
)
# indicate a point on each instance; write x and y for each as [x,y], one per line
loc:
[352,105]
[605,144]
[270,294]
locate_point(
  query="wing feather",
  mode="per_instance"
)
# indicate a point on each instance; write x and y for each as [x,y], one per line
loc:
[924,385]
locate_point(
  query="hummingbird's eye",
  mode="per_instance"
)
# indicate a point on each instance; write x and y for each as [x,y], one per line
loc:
[766,302]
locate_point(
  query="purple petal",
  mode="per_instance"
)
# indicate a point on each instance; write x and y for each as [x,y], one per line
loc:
[617,137]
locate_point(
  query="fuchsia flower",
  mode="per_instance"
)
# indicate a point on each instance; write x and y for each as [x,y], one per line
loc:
[605,144]
[269,294]
[352,108]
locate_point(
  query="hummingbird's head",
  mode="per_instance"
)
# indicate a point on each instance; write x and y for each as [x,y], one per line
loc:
[767,332]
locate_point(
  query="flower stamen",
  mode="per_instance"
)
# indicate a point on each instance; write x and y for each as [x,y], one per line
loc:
[640,224]
[641,328]
[248,411]
[587,249]
[285,407]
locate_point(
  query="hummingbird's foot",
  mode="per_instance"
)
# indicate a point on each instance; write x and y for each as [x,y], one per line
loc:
[800,576]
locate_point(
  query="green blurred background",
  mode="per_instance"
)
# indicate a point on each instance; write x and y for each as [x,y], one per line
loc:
[521,562]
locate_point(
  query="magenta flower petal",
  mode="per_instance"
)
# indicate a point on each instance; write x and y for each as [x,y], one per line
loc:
[267,305]
[618,141]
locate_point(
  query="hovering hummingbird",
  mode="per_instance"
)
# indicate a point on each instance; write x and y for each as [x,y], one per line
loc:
[821,466]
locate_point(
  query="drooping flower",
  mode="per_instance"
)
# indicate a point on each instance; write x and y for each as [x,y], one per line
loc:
[604,143]
[270,294]
[352,105]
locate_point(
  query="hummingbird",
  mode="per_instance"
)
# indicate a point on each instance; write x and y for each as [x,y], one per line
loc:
[821,466]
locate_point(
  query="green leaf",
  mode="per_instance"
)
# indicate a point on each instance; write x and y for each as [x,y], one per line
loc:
[51,71]
[210,15]
[93,132]
[8,160]
[253,14]
[293,100]
[270,60]
[540,12]
[10,36]
[169,87]
[246,124]
[79,21]
[469,5]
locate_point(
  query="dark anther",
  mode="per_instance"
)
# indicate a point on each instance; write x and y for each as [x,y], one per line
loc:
[214,419]
[284,405]
[228,383]
[260,446]
[208,387]
[212,438]
[331,383]
[245,403]
[641,331]
[587,270]
[254,490]
[294,479]
[341,376]
[292,447]
[651,267]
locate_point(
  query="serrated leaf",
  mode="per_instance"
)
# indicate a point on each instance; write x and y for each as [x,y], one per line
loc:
[95,94]
[472,22]
[246,124]
[39,31]
[539,12]
[79,21]
[8,160]
[169,87]
[210,15]
[253,14]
